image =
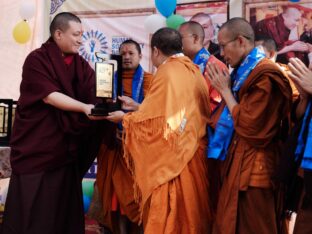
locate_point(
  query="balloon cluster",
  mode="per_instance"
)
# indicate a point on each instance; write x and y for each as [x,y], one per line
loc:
[166,18]
[87,191]
[22,31]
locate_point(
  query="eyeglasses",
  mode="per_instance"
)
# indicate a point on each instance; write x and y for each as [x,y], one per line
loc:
[222,46]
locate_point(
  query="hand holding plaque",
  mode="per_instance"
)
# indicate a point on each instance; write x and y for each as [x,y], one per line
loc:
[108,84]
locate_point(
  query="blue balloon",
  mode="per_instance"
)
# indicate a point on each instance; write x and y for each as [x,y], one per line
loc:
[294,0]
[86,203]
[166,7]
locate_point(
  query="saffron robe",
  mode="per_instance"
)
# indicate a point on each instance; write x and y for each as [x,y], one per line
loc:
[164,144]
[247,193]
[113,177]
[47,160]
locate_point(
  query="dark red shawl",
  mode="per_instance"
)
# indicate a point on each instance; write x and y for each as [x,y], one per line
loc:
[275,28]
[45,137]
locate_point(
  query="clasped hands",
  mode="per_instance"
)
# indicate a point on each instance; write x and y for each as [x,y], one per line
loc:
[301,76]
[218,78]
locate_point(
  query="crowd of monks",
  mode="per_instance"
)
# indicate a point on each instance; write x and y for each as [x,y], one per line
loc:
[200,146]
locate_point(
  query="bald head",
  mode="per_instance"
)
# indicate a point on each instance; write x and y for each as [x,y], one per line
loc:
[292,17]
[200,16]
[236,39]
[193,35]
[239,27]
[292,11]
[205,21]
[192,27]
[167,40]
[61,22]
[269,47]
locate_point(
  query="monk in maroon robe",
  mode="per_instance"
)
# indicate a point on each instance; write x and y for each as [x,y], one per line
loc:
[51,124]
[278,28]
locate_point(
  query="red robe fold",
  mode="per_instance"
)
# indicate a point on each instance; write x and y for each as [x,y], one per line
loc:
[275,28]
[44,137]
[51,148]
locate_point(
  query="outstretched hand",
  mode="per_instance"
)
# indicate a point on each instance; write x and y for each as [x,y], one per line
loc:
[128,103]
[115,116]
[87,111]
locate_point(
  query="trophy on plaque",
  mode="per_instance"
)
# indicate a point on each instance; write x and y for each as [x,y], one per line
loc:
[108,83]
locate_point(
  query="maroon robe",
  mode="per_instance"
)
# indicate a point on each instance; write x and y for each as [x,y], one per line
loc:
[275,28]
[45,189]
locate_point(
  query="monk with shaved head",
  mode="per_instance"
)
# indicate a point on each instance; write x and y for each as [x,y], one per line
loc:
[205,20]
[164,143]
[279,28]
[244,133]
[193,37]
[53,140]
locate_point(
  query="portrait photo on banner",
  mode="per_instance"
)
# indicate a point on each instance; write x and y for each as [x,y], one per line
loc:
[288,24]
[104,31]
[210,14]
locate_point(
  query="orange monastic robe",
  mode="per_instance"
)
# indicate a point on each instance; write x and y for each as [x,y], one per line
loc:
[114,181]
[248,201]
[164,143]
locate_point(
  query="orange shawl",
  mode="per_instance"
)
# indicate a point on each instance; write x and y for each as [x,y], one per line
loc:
[113,176]
[163,135]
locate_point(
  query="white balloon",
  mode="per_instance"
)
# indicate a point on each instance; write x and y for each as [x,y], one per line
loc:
[154,22]
[27,9]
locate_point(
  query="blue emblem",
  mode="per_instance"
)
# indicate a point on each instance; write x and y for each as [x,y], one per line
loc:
[55,4]
[93,41]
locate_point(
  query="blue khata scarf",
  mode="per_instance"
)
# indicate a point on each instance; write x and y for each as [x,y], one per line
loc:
[137,87]
[304,146]
[220,139]
[201,59]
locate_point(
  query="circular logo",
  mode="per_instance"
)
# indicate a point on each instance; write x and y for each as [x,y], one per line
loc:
[93,41]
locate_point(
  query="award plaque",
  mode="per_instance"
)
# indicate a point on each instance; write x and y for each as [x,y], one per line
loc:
[108,84]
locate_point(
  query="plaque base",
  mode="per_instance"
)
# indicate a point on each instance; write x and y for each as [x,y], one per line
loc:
[102,109]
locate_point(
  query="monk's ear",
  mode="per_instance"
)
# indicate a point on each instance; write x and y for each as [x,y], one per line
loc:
[240,40]
[155,51]
[57,34]
[272,54]
[196,38]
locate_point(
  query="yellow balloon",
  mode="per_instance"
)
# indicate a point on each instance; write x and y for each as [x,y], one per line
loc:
[22,32]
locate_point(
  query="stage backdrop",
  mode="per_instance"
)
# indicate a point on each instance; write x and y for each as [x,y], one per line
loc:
[104,31]
[13,54]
